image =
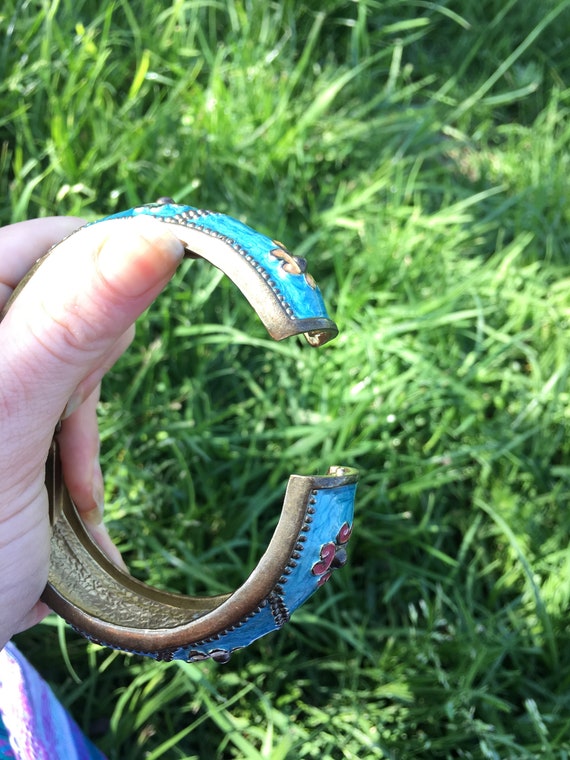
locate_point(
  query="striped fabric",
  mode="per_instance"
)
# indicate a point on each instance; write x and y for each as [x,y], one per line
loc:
[33,724]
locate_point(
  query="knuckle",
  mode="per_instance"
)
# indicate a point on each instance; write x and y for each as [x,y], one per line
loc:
[70,336]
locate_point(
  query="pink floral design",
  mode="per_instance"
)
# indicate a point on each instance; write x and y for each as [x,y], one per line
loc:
[333,555]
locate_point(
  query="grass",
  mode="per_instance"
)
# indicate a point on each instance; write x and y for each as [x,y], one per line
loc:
[417,153]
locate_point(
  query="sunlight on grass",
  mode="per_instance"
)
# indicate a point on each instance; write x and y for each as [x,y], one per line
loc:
[417,155]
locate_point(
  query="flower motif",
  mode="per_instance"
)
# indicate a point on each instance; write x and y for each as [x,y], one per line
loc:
[292,264]
[328,552]
[332,555]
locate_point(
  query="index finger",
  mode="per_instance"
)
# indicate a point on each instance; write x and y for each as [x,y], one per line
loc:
[22,243]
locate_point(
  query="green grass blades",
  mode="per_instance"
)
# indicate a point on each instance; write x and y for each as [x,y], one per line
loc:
[417,154]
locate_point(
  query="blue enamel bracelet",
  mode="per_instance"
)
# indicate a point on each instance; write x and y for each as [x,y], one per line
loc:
[110,607]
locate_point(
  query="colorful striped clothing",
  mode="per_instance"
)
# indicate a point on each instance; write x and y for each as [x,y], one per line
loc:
[33,724]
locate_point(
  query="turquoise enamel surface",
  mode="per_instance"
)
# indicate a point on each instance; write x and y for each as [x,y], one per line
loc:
[300,291]
[323,537]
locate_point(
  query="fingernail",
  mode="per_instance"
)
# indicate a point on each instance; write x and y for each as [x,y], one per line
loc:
[100,535]
[138,255]
[75,401]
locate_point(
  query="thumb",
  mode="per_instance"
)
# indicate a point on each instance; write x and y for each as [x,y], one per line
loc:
[60,332]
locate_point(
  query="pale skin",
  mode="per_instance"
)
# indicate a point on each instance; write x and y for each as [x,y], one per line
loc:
[68,326]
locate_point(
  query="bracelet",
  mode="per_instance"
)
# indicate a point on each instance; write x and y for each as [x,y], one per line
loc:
[108,606]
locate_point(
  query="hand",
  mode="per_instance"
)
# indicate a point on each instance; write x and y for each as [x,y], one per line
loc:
[67,327]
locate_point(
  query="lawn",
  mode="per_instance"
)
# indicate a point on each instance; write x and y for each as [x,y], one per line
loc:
[417,153]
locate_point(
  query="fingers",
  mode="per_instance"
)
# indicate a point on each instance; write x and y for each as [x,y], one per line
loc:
[24,242]
[66,325]
[91,382]
[79,449]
